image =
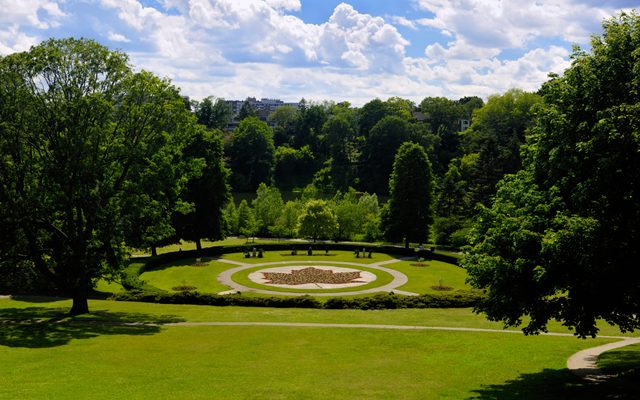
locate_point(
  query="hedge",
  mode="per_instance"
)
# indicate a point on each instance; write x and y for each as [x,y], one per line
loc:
[381,301]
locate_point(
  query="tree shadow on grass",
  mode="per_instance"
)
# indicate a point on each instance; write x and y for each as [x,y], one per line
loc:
[552,384]
[39,327]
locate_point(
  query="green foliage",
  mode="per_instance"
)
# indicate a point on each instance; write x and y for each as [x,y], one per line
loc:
[561,239]
[267,207]
[496,134]
[293,167]
[284,120]
[208,193]
[382,301]
[317,220]
[247,111]
[378,154]
[287,222]
[87,160]
[409,211]
[213,115]
[247,223]
[251,155]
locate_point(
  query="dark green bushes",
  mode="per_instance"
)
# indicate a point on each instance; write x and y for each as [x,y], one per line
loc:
[382,301]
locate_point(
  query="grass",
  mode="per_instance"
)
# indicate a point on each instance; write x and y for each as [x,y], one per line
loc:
[621,360]
[66,360]
[319,255]
[182,273]
[422,279]
[242,277]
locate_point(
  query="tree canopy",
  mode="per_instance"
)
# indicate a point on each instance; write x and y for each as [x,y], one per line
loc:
[561,238]
[409,211]
[88,147]
[252,154]
[317,220]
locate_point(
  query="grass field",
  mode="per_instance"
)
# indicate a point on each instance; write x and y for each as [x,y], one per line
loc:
[422,279]
[66,360]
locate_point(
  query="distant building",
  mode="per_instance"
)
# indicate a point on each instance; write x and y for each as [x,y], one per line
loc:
[264,107]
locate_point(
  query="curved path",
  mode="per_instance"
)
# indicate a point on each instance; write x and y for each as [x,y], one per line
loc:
[399,279]
[584,363]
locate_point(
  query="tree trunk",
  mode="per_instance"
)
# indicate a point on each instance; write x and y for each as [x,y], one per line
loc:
[198,245]
[406,242]
[154,251]
[80,302]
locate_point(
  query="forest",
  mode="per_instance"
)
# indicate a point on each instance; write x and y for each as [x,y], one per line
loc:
[345,155]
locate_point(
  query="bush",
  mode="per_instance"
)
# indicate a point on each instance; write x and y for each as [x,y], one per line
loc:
[381,301]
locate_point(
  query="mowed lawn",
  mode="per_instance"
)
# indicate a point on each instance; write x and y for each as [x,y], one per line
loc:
[422,279]
[105,361]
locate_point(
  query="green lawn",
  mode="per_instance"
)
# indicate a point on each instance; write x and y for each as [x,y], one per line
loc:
[318,255]
[183,273]
[63,360]
[422,279]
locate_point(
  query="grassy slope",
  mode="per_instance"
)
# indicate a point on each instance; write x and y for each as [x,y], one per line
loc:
[143,361]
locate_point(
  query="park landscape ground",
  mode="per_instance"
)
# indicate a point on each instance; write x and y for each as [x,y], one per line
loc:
[141,350]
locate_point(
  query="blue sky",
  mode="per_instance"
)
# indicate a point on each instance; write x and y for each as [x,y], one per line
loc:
[351,50]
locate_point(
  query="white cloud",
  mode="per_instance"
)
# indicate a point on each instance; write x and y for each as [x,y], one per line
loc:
[117,37]
[514,23]
[41,14]
[402,21]
[12,41]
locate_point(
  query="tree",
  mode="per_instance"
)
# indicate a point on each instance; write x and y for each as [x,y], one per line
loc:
[284,121]
[207,193]
[87,147]
[293,167]
[247,224]
[251,155]
[560,239]
[496,134]
[247,111]
[409,211]
[267,207]
[339,137]
[288,221]
[377,156]
[370,114]
[213,115]
[317,220]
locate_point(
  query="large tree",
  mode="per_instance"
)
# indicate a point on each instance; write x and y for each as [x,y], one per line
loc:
[251,155]
[379,151]
[86,145]
[561,239]
[206,194]
[409,212]
[317,220]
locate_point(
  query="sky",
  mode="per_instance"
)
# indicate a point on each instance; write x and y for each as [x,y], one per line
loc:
[351,50]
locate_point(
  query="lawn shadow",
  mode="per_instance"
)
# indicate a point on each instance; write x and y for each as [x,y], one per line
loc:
[39,327]
[551,384]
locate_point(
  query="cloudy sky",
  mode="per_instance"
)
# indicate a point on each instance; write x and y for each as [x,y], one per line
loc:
[353,50]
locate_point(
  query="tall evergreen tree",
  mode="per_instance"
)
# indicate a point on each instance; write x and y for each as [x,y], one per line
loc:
[409,212]
[207,193]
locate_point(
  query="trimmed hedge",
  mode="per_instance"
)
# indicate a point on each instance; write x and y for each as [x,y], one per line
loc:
[381,301]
